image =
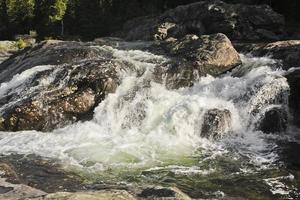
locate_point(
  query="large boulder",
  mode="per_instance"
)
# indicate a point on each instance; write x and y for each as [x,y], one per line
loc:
[57,95]
[54,84]
[195,56]
[238,21]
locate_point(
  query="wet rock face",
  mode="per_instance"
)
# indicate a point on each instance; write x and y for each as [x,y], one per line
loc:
[50,52]
[33,171]
[58,96]
[287,51]
[216,123]
[294,100]
[238,21]
[63,83]
[274,120]
[197,56]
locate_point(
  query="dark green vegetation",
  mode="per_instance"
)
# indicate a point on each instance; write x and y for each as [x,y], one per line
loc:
[94,18]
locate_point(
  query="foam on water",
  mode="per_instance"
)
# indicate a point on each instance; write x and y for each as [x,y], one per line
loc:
[144,125]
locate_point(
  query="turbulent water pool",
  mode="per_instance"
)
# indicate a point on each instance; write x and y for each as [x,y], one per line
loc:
[147,134]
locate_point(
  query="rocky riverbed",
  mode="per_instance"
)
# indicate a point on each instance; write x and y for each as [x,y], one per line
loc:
[199,102]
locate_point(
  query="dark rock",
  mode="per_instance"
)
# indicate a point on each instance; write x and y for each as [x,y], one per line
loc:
[163,193]
[195,57]
[32,171]
[5,189]
[274,120]
[237,21]
[216,123]
[293,78]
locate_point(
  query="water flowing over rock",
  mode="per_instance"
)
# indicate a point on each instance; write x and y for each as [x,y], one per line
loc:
[57,83]
[144,129]
[288,52]
[237,21]
[288,55]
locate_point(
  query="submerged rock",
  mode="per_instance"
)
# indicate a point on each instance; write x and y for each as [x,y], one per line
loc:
[195,57]
[216,123]
[237,21]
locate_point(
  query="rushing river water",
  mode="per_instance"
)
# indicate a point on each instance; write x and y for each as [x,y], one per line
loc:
[147,134]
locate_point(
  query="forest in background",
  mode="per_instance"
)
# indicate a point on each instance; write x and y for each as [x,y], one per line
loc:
[88,19]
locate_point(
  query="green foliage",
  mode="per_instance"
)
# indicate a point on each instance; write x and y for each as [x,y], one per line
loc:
[21,44]
[58,9]
[19,11]
[94,18]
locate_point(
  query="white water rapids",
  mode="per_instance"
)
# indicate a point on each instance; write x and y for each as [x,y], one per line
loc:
[145,125]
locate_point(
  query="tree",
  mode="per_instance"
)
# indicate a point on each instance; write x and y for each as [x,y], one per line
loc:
[20,14]
[58,11]
[4,30]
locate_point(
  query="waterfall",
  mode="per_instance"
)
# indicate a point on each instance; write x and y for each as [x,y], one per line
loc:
[144,125]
